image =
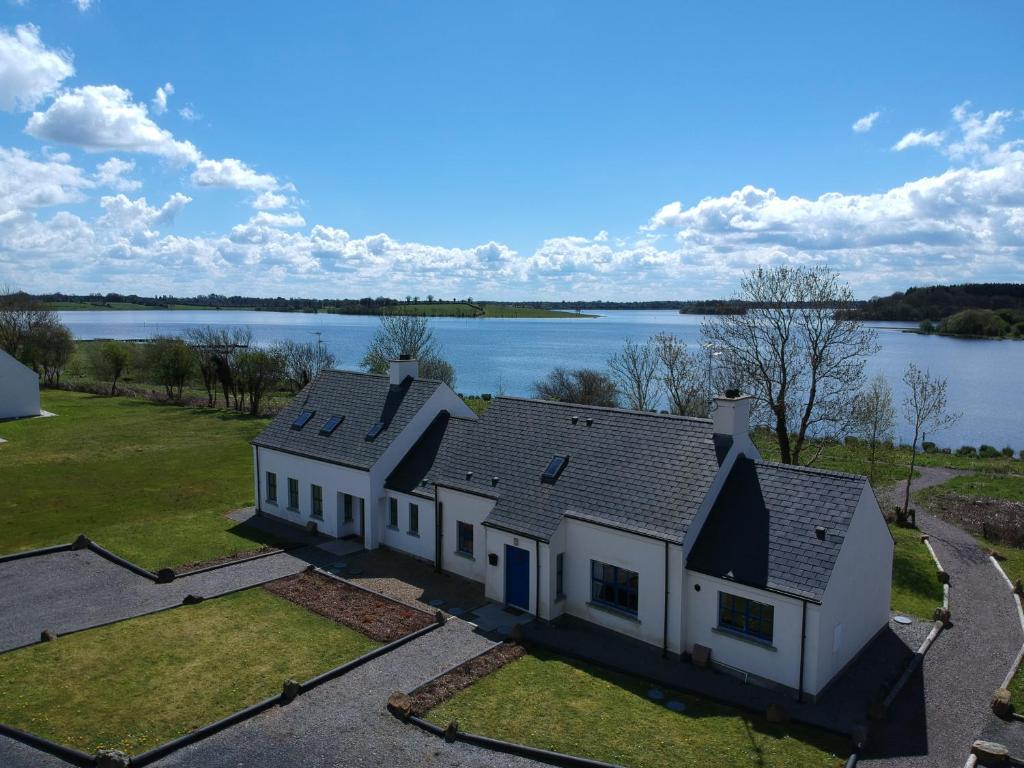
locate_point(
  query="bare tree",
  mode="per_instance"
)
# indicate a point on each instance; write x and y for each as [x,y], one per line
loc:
[924,406]
[875,418]
[582,385]
[20,315]
[407,335]
[204,344]
[303,362]
[681,376]
[257,372]
[802,359]
[49,347]
[635,370]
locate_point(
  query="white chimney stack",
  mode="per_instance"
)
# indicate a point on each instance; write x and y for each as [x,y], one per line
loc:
[403,368]
[731,415]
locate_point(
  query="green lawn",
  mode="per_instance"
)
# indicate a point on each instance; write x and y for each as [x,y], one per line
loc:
[989,486]
[141,682]
[916,589]
[890,465]
[550,702]
[150,482]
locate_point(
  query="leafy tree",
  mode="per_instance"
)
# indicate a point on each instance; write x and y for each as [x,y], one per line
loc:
[924,406]
[171,362]
[635,371]
[875,418]
[49,347]
[801,358]
[257,372]
[109,361]
[407,335]
[581,385]
[20,316]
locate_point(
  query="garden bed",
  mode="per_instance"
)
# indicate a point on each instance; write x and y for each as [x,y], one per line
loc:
[549,702]
[377,617]
[442,688]
[999,520]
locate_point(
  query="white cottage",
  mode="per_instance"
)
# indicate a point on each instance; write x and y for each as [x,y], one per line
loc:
[665,528]
[19,389]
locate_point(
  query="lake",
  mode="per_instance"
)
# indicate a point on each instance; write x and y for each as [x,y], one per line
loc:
[506,356]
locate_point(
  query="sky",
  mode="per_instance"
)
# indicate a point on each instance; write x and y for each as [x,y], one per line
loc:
[527,150]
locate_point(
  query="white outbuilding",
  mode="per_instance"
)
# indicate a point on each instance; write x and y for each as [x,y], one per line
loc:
[19,389]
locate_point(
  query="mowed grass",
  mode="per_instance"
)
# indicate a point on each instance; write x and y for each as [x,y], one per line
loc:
[550,702]
[150,482]
[138,683]
[987,486]
[916,589]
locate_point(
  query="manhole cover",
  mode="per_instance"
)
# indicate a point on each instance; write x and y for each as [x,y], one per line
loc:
[655,695]
[676,706]
[903,619]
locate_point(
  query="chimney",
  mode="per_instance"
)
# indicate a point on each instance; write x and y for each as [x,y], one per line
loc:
[403,368]
[731,414]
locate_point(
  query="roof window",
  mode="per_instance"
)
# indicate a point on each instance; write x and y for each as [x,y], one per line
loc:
[331,424]
[554,468]
[302,419]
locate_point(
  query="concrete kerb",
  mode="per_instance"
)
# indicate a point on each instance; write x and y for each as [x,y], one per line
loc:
[395,600]
[1020,654]
[942,574]
[84,542]
[67,754]
[36,552]
[229,563]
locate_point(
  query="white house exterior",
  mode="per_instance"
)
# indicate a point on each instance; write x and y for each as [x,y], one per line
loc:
[668,529]
[19,389]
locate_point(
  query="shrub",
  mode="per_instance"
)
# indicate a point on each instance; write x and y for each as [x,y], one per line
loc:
[926,326]
[988,452]
[929,447]
[1008,452]
[975,322]
[946,451]
[966,450]
[486,396]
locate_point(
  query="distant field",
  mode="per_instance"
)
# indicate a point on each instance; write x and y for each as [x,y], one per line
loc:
[465,309]
[151,482]
[69,306]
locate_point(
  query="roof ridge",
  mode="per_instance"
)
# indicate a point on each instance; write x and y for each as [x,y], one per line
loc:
[605,408]
[811,470]
[370,374]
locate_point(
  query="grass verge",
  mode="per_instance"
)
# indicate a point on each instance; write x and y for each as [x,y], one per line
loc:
[550,702]
[916,589]
[150,482]
[138,683]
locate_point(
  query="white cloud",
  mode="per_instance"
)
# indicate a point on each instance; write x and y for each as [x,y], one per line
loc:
[160,98]
[101,118]
[29,71]
[919,138]
[121,214]
[268,201]
[977,130]
[83,5]
[189,114]
[26,183]
[111,173]
[865,124]
[232,173]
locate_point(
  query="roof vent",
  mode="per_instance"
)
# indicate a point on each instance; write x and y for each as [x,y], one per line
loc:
[732,393]
[469,475]
[590,421]
[494,480]
[819,531]
[574,419]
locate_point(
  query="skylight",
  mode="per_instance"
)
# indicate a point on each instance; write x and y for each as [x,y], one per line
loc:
[375,430]
[554,468]
[331,424]
[302,419]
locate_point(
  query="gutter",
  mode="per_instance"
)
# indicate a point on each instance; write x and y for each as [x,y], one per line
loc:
[664,634]
[259,485]
[536,586]
[438,532]
[803,641]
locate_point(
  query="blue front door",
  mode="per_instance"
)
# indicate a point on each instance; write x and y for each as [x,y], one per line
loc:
[517,577]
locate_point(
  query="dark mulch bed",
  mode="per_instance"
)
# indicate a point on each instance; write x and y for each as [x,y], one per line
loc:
[184,570]
[996,519]
[441,689]
[376,617]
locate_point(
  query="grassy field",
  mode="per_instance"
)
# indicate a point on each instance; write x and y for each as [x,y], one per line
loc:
[987,486]
[890,466]
[916,590]
[141,682]
[151,482]
[550,702]
[465,309]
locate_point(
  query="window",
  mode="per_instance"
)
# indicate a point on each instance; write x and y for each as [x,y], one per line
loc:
[414,518]
[293,493]
[747,617]
[392,513]
[316,495]
[464,539]
[560,575]
[302,419]
[375,430]
[615,587]
[554,468]
[347,506]
[331,424]
[272,487]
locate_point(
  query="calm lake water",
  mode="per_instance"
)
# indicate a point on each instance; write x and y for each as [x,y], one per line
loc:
[507,356]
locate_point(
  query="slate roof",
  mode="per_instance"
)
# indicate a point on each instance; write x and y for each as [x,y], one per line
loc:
[761,530]
[363,399]
[643,472]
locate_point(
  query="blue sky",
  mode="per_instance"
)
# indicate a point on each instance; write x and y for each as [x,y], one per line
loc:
[548,150]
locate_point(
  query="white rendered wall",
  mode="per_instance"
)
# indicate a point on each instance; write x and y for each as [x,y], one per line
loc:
[465,507]
[858,593]
[19,389]
[401,538]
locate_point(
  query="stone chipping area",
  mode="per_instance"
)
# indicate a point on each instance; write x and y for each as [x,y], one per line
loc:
[945,706]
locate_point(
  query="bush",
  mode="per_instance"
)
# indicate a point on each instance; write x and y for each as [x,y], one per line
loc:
[1008,452]
[486,396]
[966,450]
[988,452]
[975,322]
[926,326]
[946,451]
[929,447]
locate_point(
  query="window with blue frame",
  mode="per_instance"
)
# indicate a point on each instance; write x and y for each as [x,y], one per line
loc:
[615,587]
[464,539]
[746,617]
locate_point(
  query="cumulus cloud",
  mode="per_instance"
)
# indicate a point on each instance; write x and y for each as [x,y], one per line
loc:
[124,215]
[189,114]
[160,98]
[865,124]
[269,201]
[27,184]
[232,173]
[100,118]
[82,5]
[29,71]
[919,138]
[111,173]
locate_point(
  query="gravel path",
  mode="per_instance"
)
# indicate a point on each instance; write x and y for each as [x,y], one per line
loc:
[945,706]
[71,590]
